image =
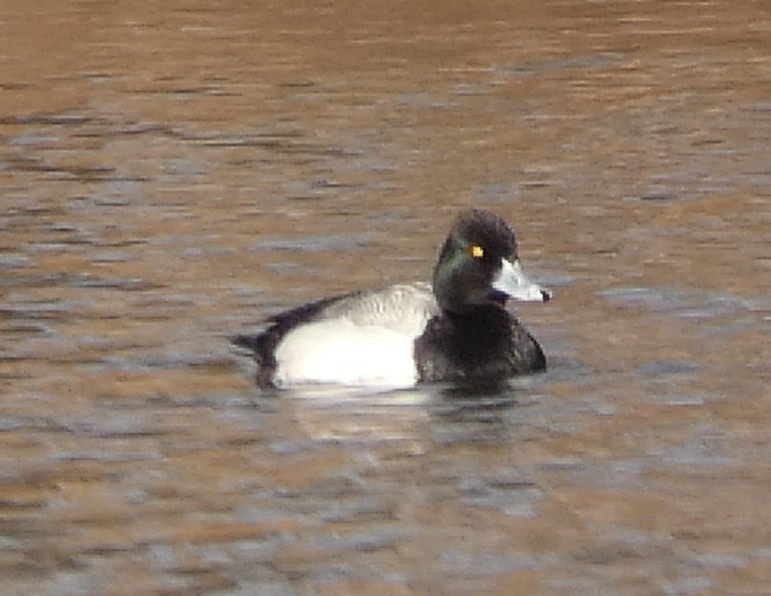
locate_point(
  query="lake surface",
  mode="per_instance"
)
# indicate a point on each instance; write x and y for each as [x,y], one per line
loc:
[173,173]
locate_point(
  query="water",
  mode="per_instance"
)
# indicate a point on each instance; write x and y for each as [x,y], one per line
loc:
[173,174]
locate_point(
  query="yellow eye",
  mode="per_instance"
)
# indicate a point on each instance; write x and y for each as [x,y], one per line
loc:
[477,251]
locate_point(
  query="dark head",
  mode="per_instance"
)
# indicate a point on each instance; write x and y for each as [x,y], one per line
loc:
[478,265]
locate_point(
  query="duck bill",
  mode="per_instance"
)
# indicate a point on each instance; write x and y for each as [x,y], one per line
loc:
[513,282]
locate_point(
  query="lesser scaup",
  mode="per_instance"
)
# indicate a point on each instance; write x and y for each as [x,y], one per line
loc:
[456,329]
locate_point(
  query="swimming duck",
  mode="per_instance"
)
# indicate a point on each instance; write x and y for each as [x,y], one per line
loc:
[455,329]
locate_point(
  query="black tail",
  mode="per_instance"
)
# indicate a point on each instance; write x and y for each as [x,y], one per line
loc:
[262,351]
[250,342]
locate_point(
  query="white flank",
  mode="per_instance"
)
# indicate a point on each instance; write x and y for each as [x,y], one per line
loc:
[338,351]
[365,340]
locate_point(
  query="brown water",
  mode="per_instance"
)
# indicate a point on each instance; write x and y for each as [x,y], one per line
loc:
[171,173]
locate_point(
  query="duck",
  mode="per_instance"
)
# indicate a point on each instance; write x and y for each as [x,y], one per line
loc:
[455,329]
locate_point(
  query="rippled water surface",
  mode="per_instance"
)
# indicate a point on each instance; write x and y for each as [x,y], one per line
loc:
[172,173]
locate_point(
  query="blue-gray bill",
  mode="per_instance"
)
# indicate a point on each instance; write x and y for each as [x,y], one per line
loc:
[513,283]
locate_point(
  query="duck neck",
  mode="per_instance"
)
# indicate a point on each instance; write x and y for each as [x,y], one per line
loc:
[491,317]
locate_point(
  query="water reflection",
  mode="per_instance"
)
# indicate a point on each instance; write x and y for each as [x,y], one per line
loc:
[422,415]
